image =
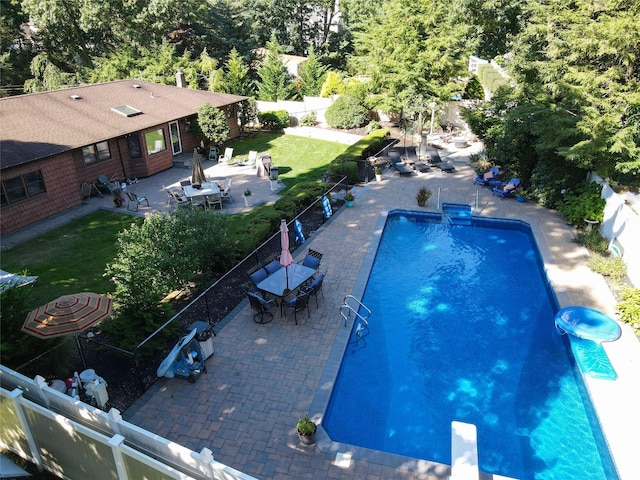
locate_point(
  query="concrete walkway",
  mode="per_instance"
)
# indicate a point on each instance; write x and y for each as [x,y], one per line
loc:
[262,378]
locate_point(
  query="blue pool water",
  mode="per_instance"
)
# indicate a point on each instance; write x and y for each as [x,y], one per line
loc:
[462,329]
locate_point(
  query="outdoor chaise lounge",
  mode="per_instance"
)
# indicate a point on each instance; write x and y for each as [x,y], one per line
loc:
[488,178]
[436,161]
[507,189]
[395,160]
[417,165]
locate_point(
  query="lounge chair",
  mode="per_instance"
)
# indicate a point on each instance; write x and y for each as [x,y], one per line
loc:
[436,161]
[507,189]
[395,160]
[488,178]
[417,165]
[261,307]
[297,228]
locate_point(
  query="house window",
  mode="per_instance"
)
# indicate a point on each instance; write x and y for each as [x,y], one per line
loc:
[96,153]
[22,187]
[135,148]
[155,141]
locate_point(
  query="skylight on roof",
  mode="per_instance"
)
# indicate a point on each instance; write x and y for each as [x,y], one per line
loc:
[126,110]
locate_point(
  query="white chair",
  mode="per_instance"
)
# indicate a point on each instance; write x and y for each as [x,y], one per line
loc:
[213,199]
[199,201]
[225,194]
[179,197]
[226,158]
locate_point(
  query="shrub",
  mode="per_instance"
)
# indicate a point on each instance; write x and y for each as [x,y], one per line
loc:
[372,126]
[629,307]
[348,111]
[480,161]
[550,177]
[582,201]
[309,120]
[274,120]
[347,162]
[612,267]
[594,241]
[473,89]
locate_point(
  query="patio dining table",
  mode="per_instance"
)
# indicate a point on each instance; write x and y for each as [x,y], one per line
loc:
[285,280]
[205,189]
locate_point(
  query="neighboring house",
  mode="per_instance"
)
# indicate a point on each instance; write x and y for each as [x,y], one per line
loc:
[53,144]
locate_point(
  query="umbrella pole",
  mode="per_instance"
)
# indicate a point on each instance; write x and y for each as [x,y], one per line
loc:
[84,362]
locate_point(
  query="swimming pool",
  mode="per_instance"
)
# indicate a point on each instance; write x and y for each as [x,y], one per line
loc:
[462,329]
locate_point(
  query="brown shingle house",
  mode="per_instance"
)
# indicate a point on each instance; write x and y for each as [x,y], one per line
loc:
[53,142]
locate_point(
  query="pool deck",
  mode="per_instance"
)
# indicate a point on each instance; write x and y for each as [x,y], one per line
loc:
[262,378]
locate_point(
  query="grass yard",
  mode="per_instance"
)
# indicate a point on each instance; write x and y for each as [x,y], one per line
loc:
[71,258]
[300,159]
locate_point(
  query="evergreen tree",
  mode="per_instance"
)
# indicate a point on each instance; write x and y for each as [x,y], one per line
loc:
[332,85]
[275,81]
[312,74]
[237,76]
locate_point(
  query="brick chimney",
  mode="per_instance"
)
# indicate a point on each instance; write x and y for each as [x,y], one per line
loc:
[180,80]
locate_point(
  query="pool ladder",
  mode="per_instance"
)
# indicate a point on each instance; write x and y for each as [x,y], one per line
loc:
[346,309]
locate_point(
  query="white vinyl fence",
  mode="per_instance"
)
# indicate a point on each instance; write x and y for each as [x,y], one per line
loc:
[77,441]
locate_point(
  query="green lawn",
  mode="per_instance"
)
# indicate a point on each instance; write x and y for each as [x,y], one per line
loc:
[71,258]
[300,159]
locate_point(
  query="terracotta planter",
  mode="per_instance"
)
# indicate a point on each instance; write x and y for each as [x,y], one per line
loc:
[422,203]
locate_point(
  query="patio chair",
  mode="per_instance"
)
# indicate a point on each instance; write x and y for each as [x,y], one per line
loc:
[507,189]
[260,306]
[199,201]
[315,287]
[273,266]
[251,159]
[257,276]
[180,198]
[105,184]
[298,303]
[135,200]
[487,178]
[225,194]
[214,199]
[312,259]
[226,158]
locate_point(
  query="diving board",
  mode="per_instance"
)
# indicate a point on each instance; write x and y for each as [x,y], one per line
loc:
[464,452]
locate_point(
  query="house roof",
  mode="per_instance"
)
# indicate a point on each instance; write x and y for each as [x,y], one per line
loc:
[38,125]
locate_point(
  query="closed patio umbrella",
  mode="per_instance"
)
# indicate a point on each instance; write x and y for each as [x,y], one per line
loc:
[67,314]
[285,256]
[197,174]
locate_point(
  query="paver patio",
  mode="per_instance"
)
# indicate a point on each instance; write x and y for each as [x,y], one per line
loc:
[262,378]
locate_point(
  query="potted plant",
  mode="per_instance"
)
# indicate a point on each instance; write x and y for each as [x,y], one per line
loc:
[118,197]
[273,180]
[307,430]
[378,173]
[348,199]
[422,196]
[246,195]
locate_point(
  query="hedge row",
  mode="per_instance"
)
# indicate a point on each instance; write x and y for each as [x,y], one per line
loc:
[347,162]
